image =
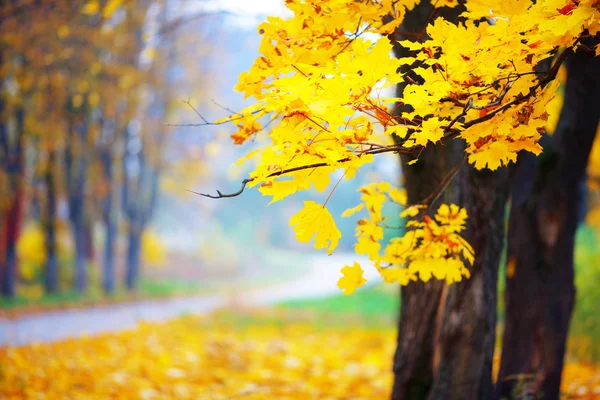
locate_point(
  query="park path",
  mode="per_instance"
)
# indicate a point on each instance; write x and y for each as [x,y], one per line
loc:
[320,280]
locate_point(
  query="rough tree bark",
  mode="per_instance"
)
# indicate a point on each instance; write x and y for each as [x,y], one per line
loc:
[467,332]
[543,221]
[447,334]
[413,360]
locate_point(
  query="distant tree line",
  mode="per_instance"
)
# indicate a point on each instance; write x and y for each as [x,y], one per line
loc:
[85,91]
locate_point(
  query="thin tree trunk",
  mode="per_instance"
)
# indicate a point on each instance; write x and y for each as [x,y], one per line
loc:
[109,218]
[12,228]
[133,258]
[13,215]
[90,253]
[109,256]
[76,168]
[3,157]
[78,230]
[546,199]
[51,281]
[467,333]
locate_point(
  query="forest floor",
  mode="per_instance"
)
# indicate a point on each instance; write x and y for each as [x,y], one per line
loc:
[298,339]
[282,352]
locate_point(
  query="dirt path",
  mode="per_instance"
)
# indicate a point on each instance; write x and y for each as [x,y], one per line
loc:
[319,281]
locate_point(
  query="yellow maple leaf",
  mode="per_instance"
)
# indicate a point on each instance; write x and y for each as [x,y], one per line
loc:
[412,211]
[315,221]
[453,216]
[395,275]
[398,130]
[352,279]
[398,196]
[368,245]
[492,156]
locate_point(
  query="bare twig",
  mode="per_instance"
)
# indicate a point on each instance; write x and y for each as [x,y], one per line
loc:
[221,195]
[188,102]
[429,200]
[205,122]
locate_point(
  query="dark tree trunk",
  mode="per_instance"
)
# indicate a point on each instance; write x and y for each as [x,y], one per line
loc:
[109,256]
[49,222]
[78,230]
[90,252]
[546,199]
[12,228]
[76,168]
[3,157]
[413,359]
[133,258]
[109,218]
[11,224]
[467,333]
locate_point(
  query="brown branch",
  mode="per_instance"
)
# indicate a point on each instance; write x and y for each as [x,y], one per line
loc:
[550,76]
[373,145]
[221,195]
[390,149]
[205,122]
[429,200]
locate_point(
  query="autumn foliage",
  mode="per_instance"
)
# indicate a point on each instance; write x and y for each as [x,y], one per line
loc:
[322,83]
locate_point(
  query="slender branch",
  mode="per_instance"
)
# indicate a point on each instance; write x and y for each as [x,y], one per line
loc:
[391,149]
[225,108]
[429,200]
[373,145]
[188,102]
[221,195]
[335,187]
[205,122]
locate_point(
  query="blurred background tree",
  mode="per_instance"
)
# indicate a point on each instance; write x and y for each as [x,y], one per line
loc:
[87,88]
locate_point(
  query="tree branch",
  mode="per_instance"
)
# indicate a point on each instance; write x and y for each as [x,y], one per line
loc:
[221,195]
[429,200]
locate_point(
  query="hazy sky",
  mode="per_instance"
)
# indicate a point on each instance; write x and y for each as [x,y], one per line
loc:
[247,14]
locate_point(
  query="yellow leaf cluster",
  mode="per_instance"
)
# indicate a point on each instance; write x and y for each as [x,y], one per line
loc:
[429,247]
[321,75]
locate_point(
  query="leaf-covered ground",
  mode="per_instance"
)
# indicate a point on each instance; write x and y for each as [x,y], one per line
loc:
[274,354]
